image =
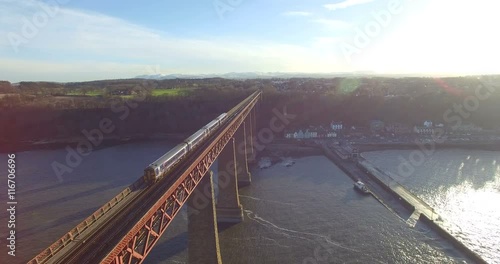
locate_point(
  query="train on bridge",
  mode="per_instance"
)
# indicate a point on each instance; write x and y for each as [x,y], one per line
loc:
[158,169]
[126,228]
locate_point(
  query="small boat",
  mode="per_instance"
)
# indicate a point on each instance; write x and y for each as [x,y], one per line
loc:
[360,186]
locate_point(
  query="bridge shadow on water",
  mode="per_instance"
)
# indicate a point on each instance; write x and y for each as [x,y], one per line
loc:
[222,227]
[176,245]
[41,189]
[79,216]
[168,249]
[74,196]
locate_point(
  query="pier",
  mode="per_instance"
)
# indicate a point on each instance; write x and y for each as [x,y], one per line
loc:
[420,207]
[387,190]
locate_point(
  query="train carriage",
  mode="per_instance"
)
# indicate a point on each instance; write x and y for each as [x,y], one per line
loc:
[221,118]
[162,165]
[201,134]
[196,138]
[210,126]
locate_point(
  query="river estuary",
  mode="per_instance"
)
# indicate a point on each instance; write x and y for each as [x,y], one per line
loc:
[307,213]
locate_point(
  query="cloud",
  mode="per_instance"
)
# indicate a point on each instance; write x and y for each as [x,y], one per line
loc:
[328,40]
[79,43]
[16,70]
[297,13]
[470,46]
[346,4]
[333,23]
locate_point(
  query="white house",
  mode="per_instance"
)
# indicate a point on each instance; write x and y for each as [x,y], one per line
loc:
[336,126]
[427,123]
[331,134]
[311,134]
[298,135]
[423,130]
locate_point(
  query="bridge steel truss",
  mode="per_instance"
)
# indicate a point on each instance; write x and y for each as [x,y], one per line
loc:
[140,240]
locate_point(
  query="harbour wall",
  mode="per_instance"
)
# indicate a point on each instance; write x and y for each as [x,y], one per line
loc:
[434,225]
[446,235]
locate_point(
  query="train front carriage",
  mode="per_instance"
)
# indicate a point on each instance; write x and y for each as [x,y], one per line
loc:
[172,157]
[149,175]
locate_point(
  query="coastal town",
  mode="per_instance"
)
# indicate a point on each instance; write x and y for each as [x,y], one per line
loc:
[377,131]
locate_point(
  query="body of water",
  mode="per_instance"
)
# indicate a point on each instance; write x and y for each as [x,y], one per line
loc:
[307,213]
[463,186]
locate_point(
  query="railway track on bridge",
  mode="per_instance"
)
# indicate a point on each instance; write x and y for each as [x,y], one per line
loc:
[93,245]
[100,238]
[120,222]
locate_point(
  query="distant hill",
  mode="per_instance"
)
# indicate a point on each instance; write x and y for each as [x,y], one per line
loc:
[288,75]
[254,75]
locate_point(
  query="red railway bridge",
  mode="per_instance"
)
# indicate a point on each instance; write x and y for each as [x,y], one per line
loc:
[125,229]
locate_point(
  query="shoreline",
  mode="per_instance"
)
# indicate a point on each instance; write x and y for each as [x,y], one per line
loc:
[488,146]
[295,146]
[110,141]
[283,145]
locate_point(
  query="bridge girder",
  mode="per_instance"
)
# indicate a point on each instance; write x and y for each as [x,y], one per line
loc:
[167,207]
[141,238]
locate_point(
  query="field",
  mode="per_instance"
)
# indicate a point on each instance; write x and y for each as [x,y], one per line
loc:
[156,92]
[91,93]
[171,92]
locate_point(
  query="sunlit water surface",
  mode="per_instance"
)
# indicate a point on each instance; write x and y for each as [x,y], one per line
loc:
[463,186]
[307,213]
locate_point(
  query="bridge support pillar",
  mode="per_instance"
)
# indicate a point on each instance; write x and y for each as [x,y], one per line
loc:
[251,153]
[253,132]
[244,176]
[203,235]
[255,117]
[229,209]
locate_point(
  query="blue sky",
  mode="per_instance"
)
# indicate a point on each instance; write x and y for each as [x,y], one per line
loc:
[75,40]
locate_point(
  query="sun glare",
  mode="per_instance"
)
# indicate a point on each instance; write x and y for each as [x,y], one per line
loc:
[445,37]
